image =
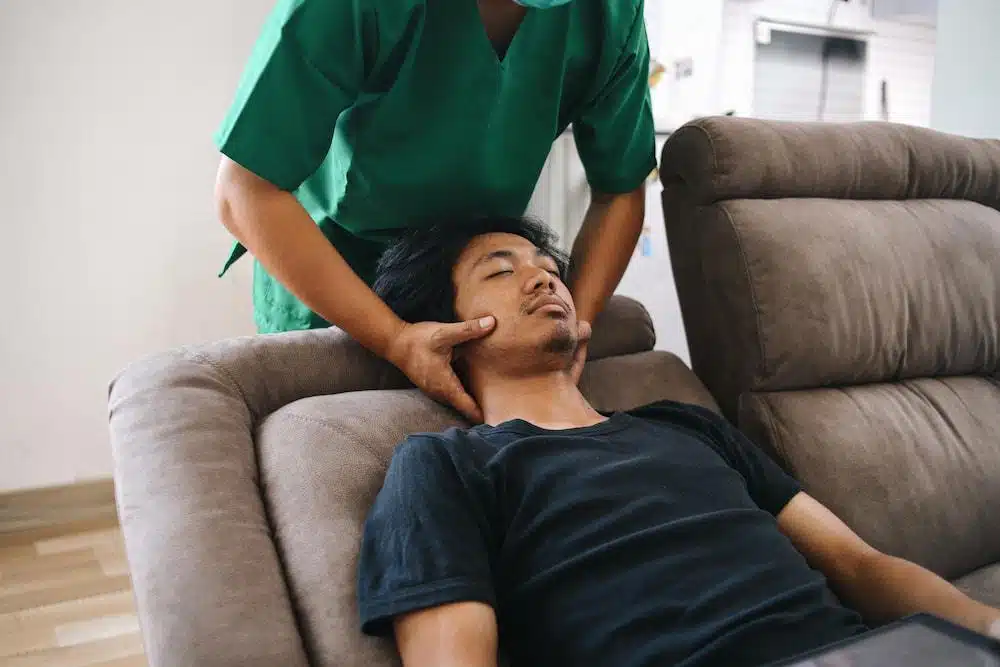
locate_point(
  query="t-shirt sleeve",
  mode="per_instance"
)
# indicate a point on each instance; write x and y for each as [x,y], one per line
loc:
[427,540]
[614,134]
[769,486]
[307,67]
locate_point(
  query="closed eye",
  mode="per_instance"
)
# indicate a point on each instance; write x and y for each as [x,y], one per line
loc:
[500,273]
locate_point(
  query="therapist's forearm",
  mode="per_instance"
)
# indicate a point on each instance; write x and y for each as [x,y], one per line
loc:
[274,227]
[603,248]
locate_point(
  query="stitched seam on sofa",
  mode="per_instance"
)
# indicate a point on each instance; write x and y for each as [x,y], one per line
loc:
[200,357]
[711,146]
[753,292]
[647,322]
[776,442]
[328,427]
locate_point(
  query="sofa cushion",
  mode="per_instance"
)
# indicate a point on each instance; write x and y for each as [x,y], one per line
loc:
[812,254]
[806,293]
[737,158]
[983,585]
[322,462]
[913,467]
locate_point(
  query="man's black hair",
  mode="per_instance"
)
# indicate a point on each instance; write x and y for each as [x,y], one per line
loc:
[413,275]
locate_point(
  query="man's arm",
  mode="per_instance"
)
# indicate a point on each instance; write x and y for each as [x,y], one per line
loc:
[603,248]
[455,635]
[424,568]
[882,587]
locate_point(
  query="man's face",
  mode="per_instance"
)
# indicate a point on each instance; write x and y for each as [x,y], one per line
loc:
[506,276]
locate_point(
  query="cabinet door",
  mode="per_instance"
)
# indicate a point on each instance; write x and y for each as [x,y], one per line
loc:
[924,11]
[561,196]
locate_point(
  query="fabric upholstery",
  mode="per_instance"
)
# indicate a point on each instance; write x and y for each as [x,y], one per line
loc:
[796,306]
[839,285]
[745,158]
[797,265]
[242,469]
[323,460]
[983,584]
[322,463]
[913,467]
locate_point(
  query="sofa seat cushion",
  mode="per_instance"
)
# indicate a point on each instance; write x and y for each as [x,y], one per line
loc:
[323,460]
[982,585]
[913,466]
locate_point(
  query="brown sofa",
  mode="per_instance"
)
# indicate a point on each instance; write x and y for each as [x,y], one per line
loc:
[244,471]
[840,287]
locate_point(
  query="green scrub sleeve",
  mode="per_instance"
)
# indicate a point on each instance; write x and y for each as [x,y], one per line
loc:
[306,68]
[615,135]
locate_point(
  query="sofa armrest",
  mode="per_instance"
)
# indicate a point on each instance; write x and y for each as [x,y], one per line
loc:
[208,583]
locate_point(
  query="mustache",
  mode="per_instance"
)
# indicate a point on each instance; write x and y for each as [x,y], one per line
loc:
[527,307]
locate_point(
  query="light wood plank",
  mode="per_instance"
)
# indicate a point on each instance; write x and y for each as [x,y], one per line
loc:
[16,638]
[39,567]
[50,616]
[15,554]
[99,585]
[52,579]
[109,538]
[65,594]
[131,661]
[29,537]
[82,632]
[83,655]
[55,508]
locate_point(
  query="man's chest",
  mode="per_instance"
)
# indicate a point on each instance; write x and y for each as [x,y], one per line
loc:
[561,500]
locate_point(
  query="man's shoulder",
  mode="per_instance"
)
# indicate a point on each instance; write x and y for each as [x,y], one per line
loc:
[677,413]
[426,448]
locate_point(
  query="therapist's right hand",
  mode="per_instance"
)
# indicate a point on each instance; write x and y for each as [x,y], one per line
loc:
[425,351]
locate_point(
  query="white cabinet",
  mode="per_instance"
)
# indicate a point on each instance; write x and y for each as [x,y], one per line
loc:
[562,196]
[923,11]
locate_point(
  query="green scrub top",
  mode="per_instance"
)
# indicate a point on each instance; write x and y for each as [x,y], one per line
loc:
[380,115]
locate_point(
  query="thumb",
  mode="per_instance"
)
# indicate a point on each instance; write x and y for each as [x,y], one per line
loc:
[463,332]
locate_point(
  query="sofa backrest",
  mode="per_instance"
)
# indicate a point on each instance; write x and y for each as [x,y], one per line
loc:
[840,288]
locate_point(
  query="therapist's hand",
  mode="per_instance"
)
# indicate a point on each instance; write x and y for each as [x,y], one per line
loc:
[425,351]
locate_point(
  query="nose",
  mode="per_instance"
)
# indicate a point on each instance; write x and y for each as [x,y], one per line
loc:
[540,279]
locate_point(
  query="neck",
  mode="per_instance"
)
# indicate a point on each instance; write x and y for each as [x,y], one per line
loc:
[548,399]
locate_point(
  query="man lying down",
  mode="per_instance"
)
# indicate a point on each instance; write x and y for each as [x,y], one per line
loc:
[658,536]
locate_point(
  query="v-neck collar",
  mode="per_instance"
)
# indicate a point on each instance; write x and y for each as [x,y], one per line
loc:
[484,38]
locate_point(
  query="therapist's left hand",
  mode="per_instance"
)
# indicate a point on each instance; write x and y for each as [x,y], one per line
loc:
[584,333]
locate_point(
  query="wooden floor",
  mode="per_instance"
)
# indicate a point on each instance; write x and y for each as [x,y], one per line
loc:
[65,599]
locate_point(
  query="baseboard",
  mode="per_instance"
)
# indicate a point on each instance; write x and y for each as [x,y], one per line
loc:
[34,514]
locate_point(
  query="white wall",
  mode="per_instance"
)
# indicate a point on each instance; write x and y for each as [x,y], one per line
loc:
[681,29]
[109,244]
[966,93]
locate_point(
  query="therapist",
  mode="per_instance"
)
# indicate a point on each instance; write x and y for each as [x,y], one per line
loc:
[358,119]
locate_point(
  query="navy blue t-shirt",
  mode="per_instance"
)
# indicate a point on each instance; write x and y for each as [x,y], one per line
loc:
[648,539]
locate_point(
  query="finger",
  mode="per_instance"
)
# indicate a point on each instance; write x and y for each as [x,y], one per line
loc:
[463,332]
[463,402]
[585,330]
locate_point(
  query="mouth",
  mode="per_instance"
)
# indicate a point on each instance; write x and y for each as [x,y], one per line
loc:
[548,304]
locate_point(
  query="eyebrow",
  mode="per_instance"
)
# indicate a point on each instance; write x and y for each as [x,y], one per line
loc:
[507,254]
